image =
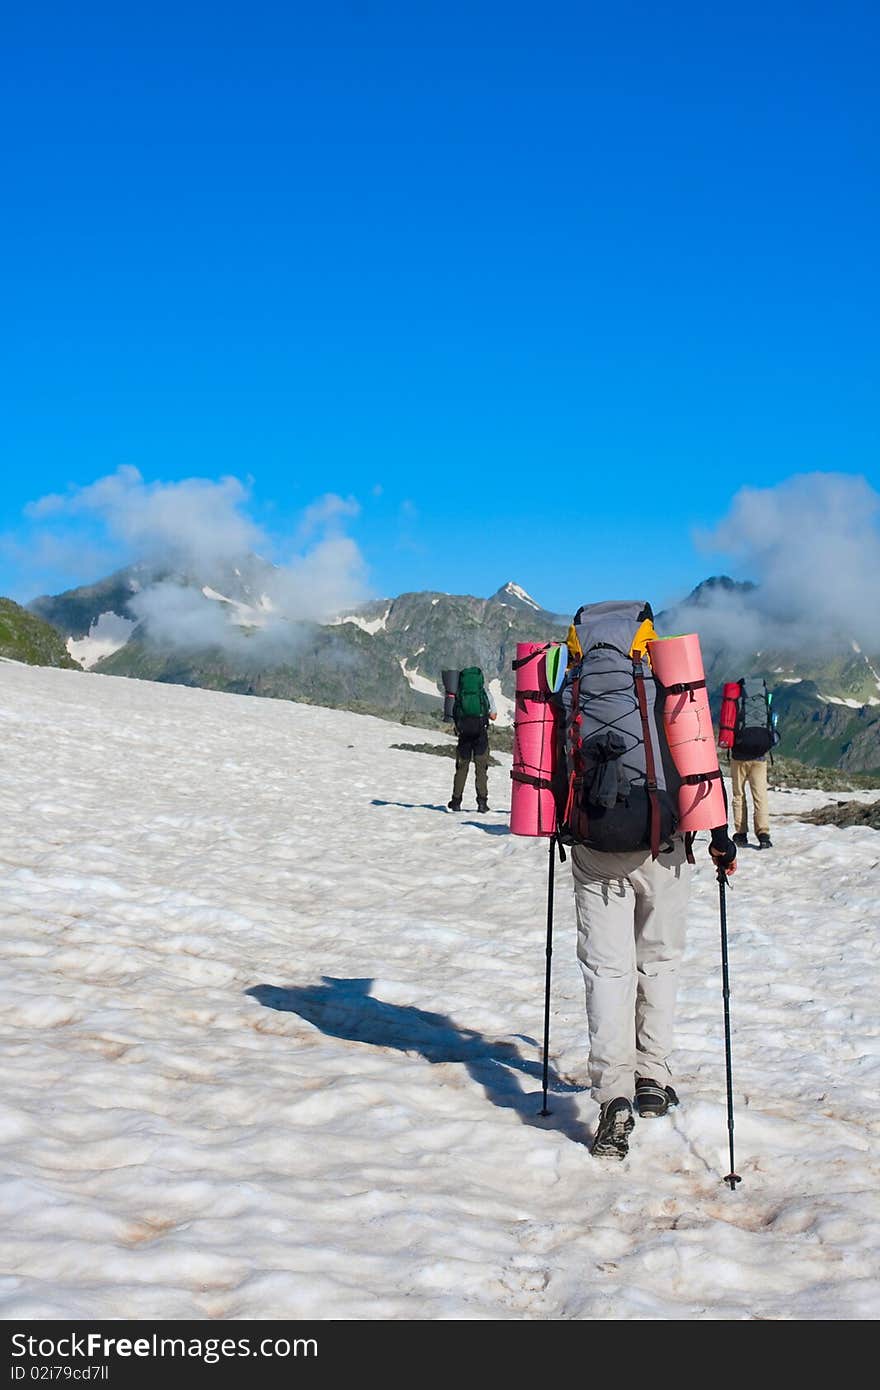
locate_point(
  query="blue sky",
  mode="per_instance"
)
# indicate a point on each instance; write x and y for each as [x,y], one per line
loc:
[540,285]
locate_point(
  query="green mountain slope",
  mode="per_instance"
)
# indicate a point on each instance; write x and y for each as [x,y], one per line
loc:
[383,659]
[25,637]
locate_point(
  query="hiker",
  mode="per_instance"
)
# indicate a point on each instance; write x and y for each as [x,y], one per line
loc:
[630,866]
[471,713]
[748,731]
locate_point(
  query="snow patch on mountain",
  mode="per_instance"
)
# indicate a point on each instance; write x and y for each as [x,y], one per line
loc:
[242,614]
[370,625]
[107,634]
[875,673]
[850,703]
[417,682]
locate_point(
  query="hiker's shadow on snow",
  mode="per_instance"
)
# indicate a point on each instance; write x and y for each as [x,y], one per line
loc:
[346,1009]
[411,806]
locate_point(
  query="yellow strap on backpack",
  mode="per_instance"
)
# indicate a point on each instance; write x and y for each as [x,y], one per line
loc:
[645,634]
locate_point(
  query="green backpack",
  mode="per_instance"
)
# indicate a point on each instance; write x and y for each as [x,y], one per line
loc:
[471,701]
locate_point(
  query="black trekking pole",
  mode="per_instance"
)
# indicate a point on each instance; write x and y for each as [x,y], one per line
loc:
[544,1110]
[732,1177]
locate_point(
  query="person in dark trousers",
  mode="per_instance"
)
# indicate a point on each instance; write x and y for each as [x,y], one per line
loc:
[473,744]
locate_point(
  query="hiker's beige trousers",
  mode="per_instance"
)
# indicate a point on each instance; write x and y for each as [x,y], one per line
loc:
[754,775]
[631,930]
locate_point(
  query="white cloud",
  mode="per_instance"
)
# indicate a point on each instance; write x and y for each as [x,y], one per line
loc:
[812,545]
[200,530]
[327,512]
[193,522]
[40,554]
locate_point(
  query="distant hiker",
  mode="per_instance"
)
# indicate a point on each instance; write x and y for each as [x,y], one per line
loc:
[473,708]
[631,868]
[748,730]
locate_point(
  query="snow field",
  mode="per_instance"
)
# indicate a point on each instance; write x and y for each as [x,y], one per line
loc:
[270,1021]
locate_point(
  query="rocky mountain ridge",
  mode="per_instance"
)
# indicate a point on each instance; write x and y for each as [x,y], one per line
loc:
[385,656]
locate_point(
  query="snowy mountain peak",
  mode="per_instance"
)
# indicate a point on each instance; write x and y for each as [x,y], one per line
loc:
[514,593]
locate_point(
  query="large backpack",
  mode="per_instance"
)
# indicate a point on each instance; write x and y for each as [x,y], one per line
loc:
[755,728]
[471,708]
[622,787]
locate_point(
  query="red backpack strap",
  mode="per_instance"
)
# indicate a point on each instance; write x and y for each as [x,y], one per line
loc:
[574,746]
[650,766]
